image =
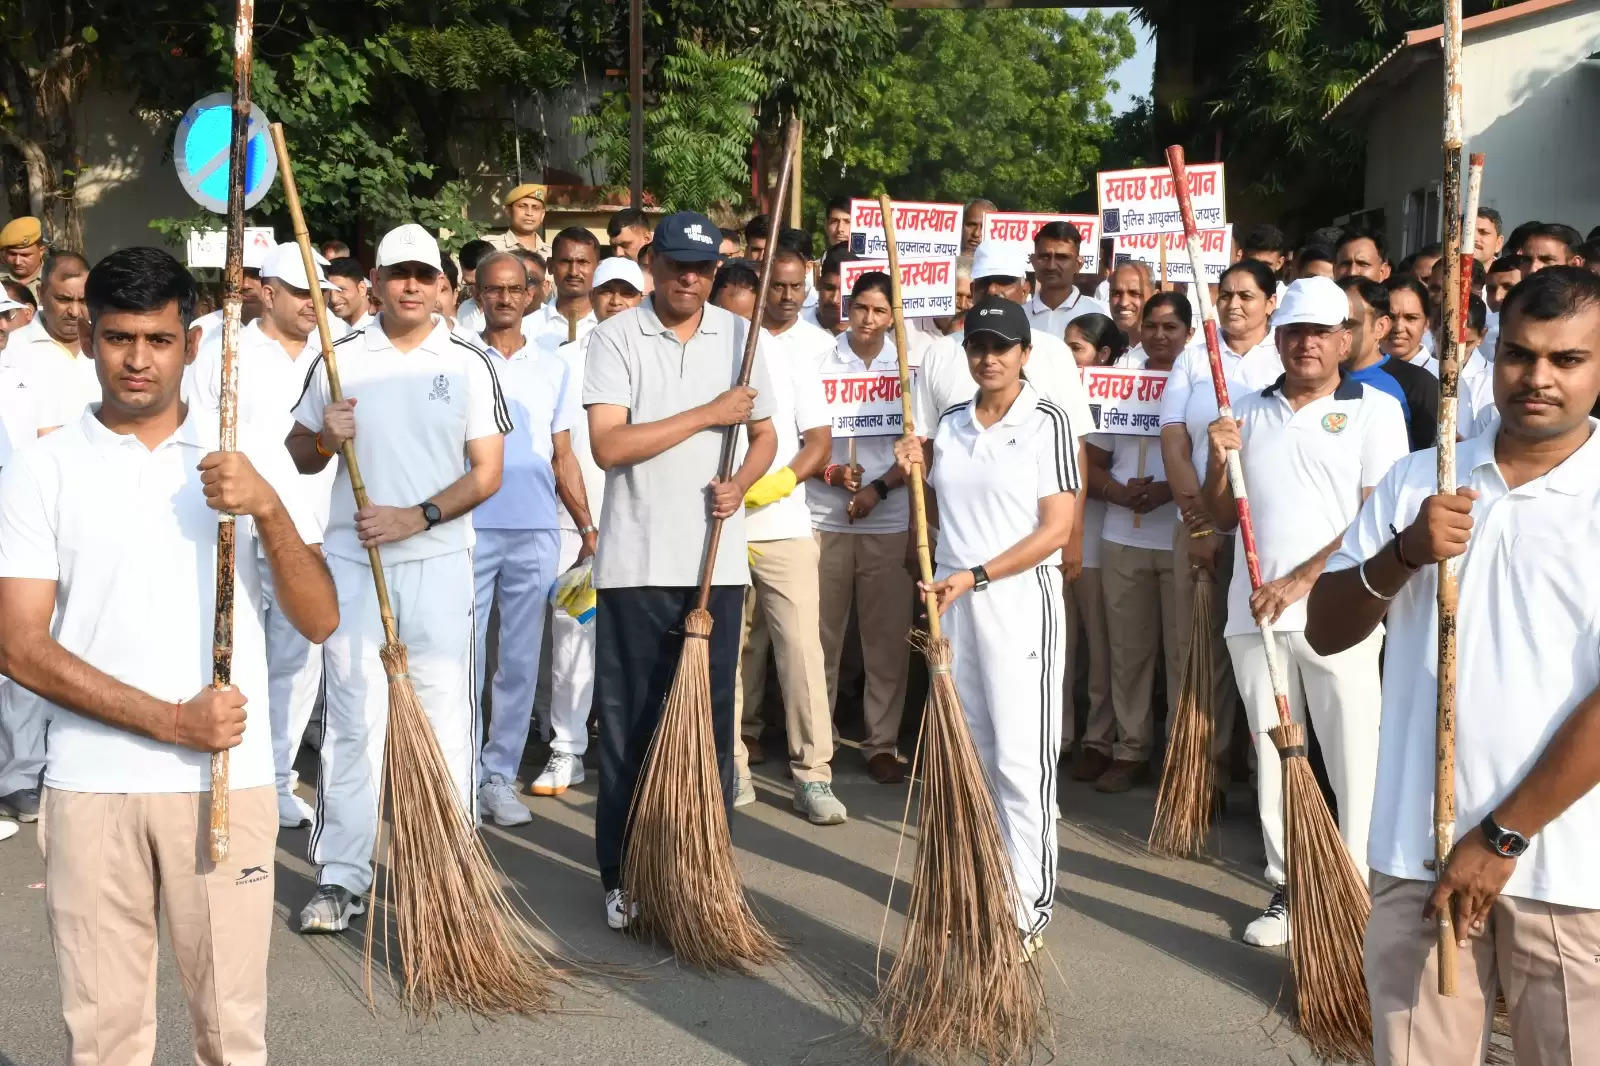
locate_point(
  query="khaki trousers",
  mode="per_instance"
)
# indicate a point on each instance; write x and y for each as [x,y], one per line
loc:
[1140,621]
[782,610]
[113,863]
[1224,691]
[869,568]
[1086,607]
[1545,957]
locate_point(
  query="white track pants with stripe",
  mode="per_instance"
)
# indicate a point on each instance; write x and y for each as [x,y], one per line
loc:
[1008,642]
[432,601]
[571,666]
[294,677]
[516,568]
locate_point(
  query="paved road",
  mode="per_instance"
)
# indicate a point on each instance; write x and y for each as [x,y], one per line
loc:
[1145,968]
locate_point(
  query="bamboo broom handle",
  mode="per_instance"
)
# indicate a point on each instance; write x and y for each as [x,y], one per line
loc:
[1241,499]
[219,836]
[347,453]
[752,338]
[919,505]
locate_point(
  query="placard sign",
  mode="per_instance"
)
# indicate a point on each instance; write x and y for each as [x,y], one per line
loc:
[1018,228]
[864,403]
[1216,253]
[209,247]
[927,284]
[1125,401]
[1145,201]
[919,228]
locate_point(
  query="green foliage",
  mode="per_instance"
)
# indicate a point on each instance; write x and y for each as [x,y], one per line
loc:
[697,133]
[1005,104]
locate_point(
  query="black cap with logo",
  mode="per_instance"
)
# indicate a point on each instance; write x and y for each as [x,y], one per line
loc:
[999,317]
[688,237]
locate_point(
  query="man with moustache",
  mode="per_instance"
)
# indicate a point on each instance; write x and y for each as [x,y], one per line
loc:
[1056,300]
[50,349]
[972,224]
[1131,286]
[22,251]
[575,253]
[525,210]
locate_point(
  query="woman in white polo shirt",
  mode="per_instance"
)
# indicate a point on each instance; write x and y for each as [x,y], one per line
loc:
[1004,467]
[859,512]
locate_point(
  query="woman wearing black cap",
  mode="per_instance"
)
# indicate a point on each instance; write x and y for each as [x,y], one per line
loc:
[1004,467]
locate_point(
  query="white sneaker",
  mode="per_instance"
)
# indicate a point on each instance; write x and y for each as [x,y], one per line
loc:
[8,829]
[562,772]
[330,910]
[499,800]
[617,915]
[294,812]
[744,792]
[1271,930]
[815,800]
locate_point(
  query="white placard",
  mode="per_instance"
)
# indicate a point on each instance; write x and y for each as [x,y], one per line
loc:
[919,228]
[1145,201]
[1125,401]
[927,284]
[209,247]
[864,403]
[1216,253]
[1017,229]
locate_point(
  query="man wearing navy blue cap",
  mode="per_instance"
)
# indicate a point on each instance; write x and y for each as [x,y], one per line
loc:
[661,389]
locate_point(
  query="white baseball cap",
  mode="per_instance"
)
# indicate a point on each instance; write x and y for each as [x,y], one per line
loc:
[409,243]
[7,304]
[993,259]
[254,255]
[285,264]
[1312,301]
[619,268]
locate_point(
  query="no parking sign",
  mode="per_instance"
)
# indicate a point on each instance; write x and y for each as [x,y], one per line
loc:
[200,153]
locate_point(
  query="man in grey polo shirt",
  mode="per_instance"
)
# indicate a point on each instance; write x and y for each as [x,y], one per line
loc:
[660,388]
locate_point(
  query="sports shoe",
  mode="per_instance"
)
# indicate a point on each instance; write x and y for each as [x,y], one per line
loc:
[499,800]
[294,812]
[8,829]
[561,772]
[23,804]
[815,800]
[1271,930]
[744,792]
[330,910]
[1031,946]
[618,914]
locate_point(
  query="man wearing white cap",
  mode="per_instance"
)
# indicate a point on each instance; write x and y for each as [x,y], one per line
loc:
[424,411]
[275,351]
[1314,445]
[618,285]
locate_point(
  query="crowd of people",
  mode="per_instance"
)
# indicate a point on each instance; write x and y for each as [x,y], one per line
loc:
[538,424]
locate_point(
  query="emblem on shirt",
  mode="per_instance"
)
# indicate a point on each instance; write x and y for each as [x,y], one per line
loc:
[441,390]
[1335,423]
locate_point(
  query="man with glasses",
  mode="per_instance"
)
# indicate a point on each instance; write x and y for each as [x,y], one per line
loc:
[1314,444]
[1056,300]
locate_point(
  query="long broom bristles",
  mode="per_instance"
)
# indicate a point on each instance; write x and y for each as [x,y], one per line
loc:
[1328,911]
[678,868]
[1183,806]
[960,985]
[462,941]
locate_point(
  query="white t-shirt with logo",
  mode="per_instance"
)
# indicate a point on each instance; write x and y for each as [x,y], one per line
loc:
[792,358]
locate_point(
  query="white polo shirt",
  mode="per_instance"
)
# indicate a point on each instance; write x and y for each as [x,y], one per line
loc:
[875,455]
[547,327]
[415,412]
[1190,398]
[1053,321]
[210,325]
[542,395]
[1155,528]
[1305,471]
[990,479]
[20,414]
[63,382]
[126,535]
[793,357]
[1528,626]
[576,356]
[945,380]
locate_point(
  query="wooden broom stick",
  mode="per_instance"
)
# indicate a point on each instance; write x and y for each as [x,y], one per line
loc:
[1444,784]
[228,435]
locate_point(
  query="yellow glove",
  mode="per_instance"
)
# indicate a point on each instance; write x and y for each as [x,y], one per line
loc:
[771,488]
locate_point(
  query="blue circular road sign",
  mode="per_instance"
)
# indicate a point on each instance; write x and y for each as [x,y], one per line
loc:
[200,153]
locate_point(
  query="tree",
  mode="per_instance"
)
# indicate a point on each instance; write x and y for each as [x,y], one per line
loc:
[1005,104]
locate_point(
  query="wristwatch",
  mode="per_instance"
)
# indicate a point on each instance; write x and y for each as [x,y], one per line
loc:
[1506,842]
[586,530]
[431,514]
[881,488]
[980,579]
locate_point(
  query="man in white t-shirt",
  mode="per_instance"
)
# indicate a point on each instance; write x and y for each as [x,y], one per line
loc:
[1313,445]
[209,325]
[783,601]
[568,316]
[108,534]
[618,285]
[349,301]
[50,348]
[424,410]
[1522,882]
[275,351]
[1056,300]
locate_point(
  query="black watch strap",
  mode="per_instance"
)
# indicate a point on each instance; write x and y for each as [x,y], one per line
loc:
[882,487]
[431,514]
[980,579]
[1506,842]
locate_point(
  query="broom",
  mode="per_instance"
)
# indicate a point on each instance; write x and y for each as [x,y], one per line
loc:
[462,941]
[1328,904]
[678,867]
[962,983]
[228,433]
[1183,806]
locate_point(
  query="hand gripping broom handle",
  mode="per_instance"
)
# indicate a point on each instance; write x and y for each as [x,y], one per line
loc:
[919,506]
[791,146]
[347,453]
[219,836]
[1241,499]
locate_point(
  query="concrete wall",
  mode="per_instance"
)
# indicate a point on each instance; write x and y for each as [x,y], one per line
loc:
[127,177]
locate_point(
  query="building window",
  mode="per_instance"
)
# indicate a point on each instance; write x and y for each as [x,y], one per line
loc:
[1423,219]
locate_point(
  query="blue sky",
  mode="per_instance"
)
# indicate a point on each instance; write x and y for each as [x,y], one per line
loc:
[1135,74]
